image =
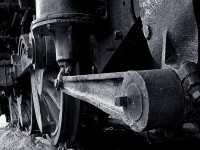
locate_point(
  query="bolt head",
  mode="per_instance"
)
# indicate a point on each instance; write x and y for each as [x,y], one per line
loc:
[121,101]
[118,35]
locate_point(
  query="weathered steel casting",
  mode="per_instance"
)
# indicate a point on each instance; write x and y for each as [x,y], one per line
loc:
[180,43]
[59,21]
[143,99]
[68,11]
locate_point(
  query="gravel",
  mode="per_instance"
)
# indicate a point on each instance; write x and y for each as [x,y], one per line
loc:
[14,139]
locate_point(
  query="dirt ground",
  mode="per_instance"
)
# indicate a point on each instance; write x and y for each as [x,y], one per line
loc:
[13,139]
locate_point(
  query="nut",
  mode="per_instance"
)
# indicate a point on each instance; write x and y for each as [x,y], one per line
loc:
[118,35]
[121,101]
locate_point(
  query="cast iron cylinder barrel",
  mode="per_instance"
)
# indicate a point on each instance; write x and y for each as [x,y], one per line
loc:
[64,12]
[45,8]
[57,17]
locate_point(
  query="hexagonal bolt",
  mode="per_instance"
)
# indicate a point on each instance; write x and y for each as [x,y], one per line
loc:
[121,101]
[119,35]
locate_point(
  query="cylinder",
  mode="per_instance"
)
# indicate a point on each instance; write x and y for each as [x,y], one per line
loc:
[64,12]
[46,8]
[58,17]
[155,99]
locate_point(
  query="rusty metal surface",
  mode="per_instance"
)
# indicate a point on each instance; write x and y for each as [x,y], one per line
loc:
[64,13]
[63,44]
[98,90]
[105,36]
[177,17]
[48,8]
[57,114]
[151,99]
[166,98]
[104,40]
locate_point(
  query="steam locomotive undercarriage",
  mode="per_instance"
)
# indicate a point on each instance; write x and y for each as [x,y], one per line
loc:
[72,69]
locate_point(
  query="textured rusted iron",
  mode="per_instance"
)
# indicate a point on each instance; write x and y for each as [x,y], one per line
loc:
[63,43]
[180,43]
[57,114]
[143,100]
[63,13]
[47,8]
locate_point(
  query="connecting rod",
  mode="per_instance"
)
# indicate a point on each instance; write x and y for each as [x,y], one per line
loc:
[143,100]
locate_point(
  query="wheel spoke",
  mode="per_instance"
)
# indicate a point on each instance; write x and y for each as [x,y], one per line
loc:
[57,114]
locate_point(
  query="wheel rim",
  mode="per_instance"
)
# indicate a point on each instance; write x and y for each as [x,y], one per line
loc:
[57,113]
[13,111]
[26,114]
[33,128]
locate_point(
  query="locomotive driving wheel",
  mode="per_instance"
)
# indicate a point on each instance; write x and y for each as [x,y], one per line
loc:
[24,102]
[13,111]
[57,113]
[26,112]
